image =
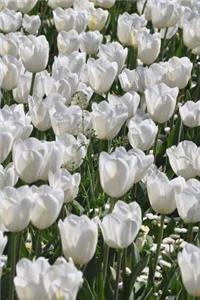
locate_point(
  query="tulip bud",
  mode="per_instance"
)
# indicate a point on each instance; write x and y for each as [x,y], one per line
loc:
[68,41]
[79,238]
[10,21]
[188,261]
[31,24]
[190,114]
[121,227]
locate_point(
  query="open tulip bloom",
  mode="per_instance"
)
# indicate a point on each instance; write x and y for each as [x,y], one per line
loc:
[99,149]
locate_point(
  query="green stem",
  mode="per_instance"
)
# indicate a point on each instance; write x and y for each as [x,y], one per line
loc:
[160,237]
[32,83]
[144,6]
[38,243]
[163,44]
[13,257]
[105,263]
[156,141]
[189,233]
[119,260]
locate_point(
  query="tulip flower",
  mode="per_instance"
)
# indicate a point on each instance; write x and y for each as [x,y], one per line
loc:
[113,52]
[79,238]
[47,204]
[9,44]
[190,114]
[60,3]
[101,74]
[104,3]
[188,261]
[121,227]
[10,69]
[69,183]
[97,18]
[107,119]
[39,280]
[178,72]
[34,52]
[131,100]
[188,202]
[142,131]
[22,90]
[183,159]
[16,206]
[31,24]
[148,47]
[10,21]
[117,172]
[164,14]
[33,159]
[25,6]
[90,41]
[68,41]
[161,102]
[191,35]
[162,191]
[8,176]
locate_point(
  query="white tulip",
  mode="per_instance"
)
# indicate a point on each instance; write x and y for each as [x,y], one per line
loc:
[10,70]
[142,131]
[90,41]
[182,159]
[161,102]
[188,261]
[10,21]
[25,6]
[97,18]
[8,176]
[40,280]
[162,192]
[79,237]
[190,113]
[104,3]
[68,41]
[131,100]
[191,34]
[121,227]
[108,119]
[34,52]
[73,62]
[60,3]
[69,183]
[113,52]
[101,74]
[148,47]
[21,92]
[31,24]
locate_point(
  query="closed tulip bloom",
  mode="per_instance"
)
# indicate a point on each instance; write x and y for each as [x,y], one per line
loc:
[10,69]
[108,119]
[33,159]
[131,100]
[75,150]
[161,102]
[16,206]
[67,19]
[188,202]
[113,52]
[90,41]
[79,237]
[10,21]
[3,242]
[142,131]
[190,114]
[69,183]
[31,24]
[6,143]
[37,279]
[101,74]
[117,172]
[148,47]
[144,163]
[9,44]
[178,72]
[127,26]
[188,261]
[60,3]
[162,191]
[8,176]
[47,204]
[25,6]
[34,52]
[68,41]
[164,14]
[73,62]
[97,18]
[39,113]
[191,34]
[182,159]
[121,227]
[21,92]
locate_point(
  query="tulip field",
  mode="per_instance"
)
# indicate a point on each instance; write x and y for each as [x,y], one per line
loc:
[99,149]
